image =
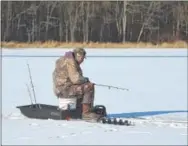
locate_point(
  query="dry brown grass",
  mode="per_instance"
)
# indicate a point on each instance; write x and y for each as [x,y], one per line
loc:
[55,44]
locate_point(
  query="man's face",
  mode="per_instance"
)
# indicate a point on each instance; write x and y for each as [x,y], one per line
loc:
[79,59]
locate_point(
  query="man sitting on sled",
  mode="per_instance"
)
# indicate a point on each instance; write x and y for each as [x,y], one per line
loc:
[69,81]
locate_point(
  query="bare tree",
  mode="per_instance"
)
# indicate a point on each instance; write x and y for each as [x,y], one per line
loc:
[124,19]
[8,20]
[86,17]
[118,19]
[153,7]
[73,9]
[180,12]
[50,8]
[60,21]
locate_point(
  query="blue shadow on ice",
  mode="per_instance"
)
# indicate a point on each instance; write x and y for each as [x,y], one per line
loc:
[142,114]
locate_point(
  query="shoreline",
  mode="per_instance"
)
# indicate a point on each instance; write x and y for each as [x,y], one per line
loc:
[64,45]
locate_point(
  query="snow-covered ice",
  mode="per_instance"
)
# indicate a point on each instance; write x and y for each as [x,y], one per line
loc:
[158,93]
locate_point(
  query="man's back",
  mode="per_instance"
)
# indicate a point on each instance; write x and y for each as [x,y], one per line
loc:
[67,72]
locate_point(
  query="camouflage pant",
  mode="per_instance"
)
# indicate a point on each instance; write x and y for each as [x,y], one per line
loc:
[86,91]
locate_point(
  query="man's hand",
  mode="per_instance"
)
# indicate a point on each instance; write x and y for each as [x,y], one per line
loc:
[86,79]
[91,85]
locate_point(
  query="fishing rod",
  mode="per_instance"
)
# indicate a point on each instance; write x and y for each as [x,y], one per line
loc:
[29,93]
[32,83]
[109,86]
[32,86]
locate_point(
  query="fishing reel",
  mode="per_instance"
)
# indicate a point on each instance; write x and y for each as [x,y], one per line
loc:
[100,110]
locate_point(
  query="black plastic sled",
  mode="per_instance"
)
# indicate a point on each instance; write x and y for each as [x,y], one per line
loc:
[44,111]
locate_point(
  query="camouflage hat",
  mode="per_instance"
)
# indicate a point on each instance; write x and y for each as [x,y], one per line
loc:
[80,51]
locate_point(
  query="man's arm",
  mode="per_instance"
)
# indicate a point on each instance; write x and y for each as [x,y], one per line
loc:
[74,75]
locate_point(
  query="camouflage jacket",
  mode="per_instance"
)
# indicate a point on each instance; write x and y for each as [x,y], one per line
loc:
[67,72]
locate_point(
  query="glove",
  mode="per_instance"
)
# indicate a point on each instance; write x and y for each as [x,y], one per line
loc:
[86,79]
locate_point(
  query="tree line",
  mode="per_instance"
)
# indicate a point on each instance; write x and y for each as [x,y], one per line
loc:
[94,21]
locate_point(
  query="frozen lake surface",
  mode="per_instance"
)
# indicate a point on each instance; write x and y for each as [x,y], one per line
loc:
[157,80]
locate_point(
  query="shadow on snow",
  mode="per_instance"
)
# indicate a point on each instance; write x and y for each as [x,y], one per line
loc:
[142,114]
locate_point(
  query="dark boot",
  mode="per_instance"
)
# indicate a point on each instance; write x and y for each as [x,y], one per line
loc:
[88,115]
